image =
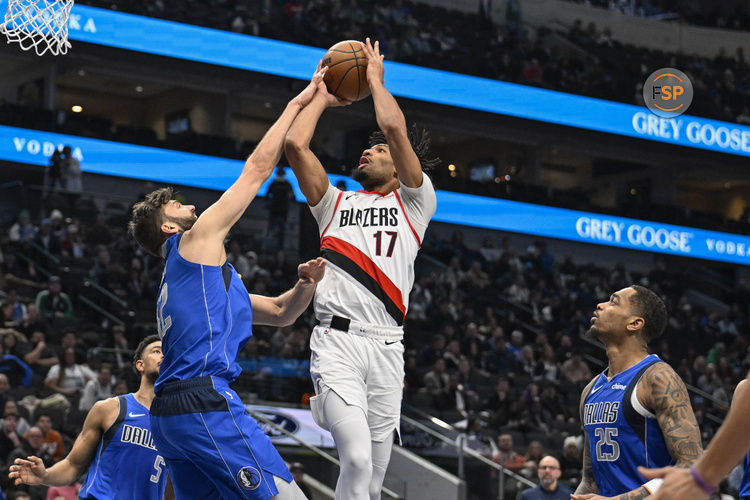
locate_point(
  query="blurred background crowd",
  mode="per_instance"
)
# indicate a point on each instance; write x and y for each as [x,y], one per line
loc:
[495,333]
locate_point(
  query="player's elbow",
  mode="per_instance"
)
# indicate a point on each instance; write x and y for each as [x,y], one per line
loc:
[394,127]
[293,147]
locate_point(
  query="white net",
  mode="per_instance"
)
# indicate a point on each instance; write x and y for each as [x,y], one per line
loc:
[41,25]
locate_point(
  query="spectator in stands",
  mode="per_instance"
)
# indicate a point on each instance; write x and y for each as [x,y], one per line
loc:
[529,365]
[13,342]
[437,383]
[430,353]
[500,361]
[18,372]
[23,230]
[53,303]
[72,177]
[255,271]
[534,455]
[69,340]
[23,425]
[68,377]
[280,195]
[69,492]
[17,311]
[52,439]
[235,257]
[32,322]
[38,355]
[571,461]
[48,240]
[298,473]
[4,387]
[53,174]
[100,388]
[16,272]
[120,346]
[506,455]
[576,370]
[33,445]
[10,439]
[549,487]
[121,388]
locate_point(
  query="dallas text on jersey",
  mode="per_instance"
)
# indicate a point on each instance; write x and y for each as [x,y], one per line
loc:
[604,412]
[137,435]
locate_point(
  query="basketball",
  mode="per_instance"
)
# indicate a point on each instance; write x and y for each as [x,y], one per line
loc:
[346,77]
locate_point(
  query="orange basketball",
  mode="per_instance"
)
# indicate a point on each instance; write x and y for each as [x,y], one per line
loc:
[346,77]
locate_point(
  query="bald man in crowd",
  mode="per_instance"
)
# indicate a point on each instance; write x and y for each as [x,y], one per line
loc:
[549,487]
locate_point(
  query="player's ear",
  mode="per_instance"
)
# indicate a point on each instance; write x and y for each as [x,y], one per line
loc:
[169,227]
[635,324]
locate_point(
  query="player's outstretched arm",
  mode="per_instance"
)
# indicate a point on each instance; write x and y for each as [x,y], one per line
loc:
[391,120]
[728,446]
[588,485]
[214,224]
[67,470]
[310,173]
[287,307]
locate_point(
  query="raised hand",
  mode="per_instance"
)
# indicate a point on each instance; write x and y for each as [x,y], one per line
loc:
[375,68]
[304,97]
[29,471]
[330,99]
[312,271]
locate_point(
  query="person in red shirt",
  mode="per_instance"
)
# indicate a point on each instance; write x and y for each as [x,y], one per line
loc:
[506,455]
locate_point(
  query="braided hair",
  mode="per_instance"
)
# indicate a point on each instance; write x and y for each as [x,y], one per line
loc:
[419,138]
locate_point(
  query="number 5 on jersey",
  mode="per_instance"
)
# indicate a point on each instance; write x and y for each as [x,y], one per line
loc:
[379,242]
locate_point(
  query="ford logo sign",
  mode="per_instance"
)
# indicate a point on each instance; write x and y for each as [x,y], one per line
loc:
[285,422]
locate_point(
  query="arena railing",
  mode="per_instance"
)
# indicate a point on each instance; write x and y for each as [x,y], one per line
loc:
[86,283]
[462,451]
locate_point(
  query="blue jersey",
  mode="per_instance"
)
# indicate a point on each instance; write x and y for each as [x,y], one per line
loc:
[622,434]
[126,464]
[745,485]
[204,318]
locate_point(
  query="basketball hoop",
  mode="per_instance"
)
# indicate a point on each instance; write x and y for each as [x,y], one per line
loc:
[38,24]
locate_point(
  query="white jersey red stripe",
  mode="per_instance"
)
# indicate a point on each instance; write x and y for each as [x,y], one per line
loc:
[371,241]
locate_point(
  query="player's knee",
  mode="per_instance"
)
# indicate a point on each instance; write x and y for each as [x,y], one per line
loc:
[359,462]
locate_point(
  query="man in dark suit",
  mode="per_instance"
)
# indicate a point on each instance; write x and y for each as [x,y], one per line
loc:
[549,488]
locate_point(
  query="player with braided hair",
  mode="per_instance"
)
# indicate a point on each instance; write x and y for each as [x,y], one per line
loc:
[370,240]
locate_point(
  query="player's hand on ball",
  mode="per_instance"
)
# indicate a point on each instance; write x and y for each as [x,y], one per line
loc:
[330,99]
[312,271]
[304,97]
[375,68]
[29,471]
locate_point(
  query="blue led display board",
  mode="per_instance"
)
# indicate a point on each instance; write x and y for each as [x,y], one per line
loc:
[175,167]
[167,38]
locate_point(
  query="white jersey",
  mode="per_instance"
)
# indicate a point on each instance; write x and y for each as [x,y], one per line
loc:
[370,241]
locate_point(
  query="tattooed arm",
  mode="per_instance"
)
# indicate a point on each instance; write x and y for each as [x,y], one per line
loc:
[588,484]
[662,392]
